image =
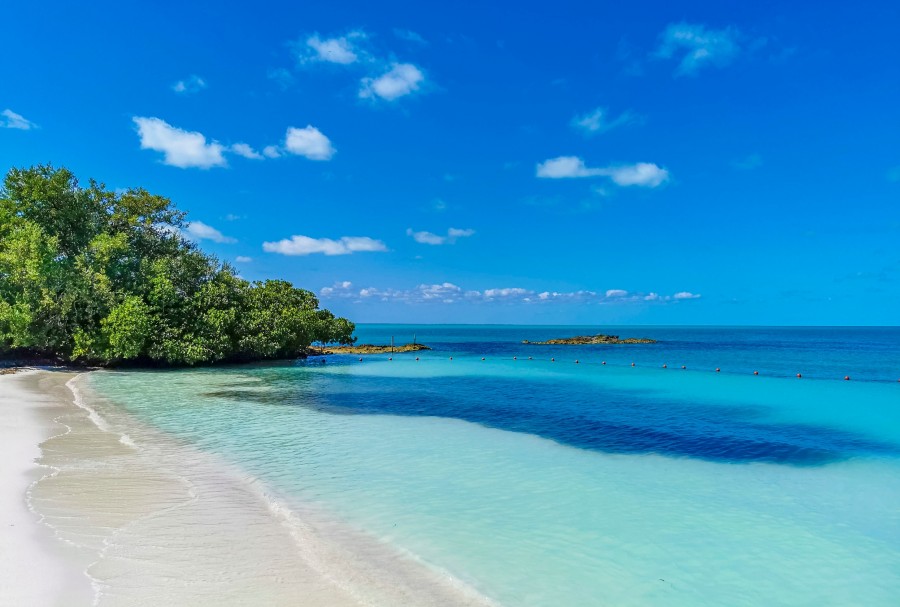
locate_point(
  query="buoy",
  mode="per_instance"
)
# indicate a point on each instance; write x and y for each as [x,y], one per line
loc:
[718,370]
[360,360]
[529,358]
[451,358]
[683,367]
[756,373]
[417,358]
[665,366]
[603,363]
[632,364]
[576,361]
[553,360]
[390,358]
[515,358]
[482,358]
[846,378]
[799,375]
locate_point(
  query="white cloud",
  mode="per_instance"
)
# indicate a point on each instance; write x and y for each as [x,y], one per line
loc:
[599,121]
[450,293]
[340,50]
[339,287]
[181,148]
[242,149]
[426,237]
[506,293]
[702,47]
[11,120]
[190,85]
[436,239]
[304,245]
[197,230]
[243,259]
[564,167]
[309,142]
[271,151]
[645,174]
[402,79]
[459,233]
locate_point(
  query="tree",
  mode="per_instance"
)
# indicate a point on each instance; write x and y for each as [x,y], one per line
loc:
[96,276]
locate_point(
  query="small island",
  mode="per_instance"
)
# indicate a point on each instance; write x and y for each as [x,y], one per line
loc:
[589,340]
[367,349]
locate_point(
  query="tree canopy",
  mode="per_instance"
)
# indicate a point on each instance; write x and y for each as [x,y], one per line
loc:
[95,276]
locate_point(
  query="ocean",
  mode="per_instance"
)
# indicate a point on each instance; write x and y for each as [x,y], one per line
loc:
[647,474]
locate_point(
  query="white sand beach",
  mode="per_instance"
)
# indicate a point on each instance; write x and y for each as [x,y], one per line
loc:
[95,516]
[35,567]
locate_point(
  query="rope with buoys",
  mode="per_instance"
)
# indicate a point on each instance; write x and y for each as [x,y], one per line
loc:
[603,363]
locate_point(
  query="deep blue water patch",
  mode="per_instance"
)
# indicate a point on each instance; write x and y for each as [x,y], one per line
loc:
[572,413]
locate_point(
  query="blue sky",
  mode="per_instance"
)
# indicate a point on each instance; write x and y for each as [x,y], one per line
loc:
[705,163]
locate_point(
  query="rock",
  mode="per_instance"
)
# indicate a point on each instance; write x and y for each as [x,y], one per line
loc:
[367,349]
[586,340]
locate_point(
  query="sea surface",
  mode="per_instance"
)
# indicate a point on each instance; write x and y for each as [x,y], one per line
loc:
[538,475]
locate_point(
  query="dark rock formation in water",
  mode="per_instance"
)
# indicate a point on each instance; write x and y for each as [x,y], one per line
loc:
[368,349]
[584,340]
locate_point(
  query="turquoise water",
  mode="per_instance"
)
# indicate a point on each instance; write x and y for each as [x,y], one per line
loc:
[556,483]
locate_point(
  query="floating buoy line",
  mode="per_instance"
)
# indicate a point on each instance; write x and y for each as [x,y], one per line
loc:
[633,365]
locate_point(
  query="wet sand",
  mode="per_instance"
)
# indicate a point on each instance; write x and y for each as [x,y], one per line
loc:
[35,567]
[115,513]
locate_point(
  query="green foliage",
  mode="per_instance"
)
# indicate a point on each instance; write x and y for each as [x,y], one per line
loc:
[91,275]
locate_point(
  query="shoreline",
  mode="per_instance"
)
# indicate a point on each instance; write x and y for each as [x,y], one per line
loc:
[140,518]
[40,570]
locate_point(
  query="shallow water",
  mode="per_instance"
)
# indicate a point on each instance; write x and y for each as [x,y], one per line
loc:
[550,483]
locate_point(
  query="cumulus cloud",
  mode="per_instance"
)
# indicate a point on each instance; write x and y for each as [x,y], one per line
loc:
[341,50]
[309,142]
[242,149]
[190,85]
[436,239]
[338,287]
[644,174]
[450,293]
[181,148]
[506,293]
[599,121]
[697,46]
[243,259]
[402,79]
[12,120]
[197,230]
[185,149]
[304,245]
